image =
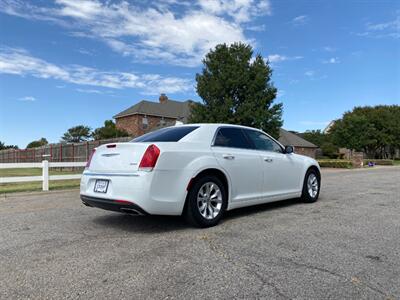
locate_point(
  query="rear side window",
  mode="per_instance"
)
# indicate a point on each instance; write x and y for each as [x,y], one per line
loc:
[170,134]
[231,137]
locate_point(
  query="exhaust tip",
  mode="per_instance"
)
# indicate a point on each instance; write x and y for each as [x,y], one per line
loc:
[131,211]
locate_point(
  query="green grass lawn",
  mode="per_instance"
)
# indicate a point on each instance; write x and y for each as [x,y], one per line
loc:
[37,185]
[37,171]
[397,162]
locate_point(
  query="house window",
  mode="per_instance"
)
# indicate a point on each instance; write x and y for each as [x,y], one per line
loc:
[145,123]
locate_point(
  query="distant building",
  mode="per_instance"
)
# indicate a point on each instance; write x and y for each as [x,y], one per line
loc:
[147,116]
[301,146]
[329,127]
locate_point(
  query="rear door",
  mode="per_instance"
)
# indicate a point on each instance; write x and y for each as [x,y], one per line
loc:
[280,171]
[243,165]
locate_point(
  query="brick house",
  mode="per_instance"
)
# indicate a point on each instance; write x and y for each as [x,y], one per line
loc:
[301,146]
[147,116]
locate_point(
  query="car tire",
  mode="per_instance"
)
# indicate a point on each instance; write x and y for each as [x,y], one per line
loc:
[311,186]
[214,199]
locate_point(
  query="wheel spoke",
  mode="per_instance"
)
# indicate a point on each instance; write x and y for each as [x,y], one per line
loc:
[211,211]
[217,201]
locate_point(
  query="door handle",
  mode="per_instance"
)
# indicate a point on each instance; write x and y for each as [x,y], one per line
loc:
[268,159]
[228,156]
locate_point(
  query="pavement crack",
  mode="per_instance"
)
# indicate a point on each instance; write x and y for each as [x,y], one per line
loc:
[250,269]
[354,280]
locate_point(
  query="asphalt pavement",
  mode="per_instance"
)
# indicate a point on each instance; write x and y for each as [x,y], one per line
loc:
[345,246]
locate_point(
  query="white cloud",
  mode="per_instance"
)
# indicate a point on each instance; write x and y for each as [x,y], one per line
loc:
[89,91]
[312,75]
[257,28]
[155,33]
[300,20]
[85,52]
[280,93]
[239,10]
[332,60]
[329,49]
[20,62]
[275,58]
[309,73]
[389,29]
[27,99]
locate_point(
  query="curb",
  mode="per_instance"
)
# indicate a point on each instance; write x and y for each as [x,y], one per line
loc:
[37,193]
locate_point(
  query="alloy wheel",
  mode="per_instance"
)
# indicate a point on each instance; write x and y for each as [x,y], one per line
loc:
[312,185]
[209,200]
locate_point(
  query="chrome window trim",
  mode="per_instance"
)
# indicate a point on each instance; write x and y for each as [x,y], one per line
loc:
[249,128]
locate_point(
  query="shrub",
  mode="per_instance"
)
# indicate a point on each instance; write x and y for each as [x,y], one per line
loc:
[379,162]
[335,163]
[330,150]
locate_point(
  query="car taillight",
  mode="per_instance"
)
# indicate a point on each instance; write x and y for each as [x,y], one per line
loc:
[90,158]
[149,158]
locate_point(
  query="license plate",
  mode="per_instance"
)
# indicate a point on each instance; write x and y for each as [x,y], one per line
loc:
[101,186]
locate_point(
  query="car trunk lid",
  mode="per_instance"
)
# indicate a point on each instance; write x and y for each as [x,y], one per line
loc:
[118,157]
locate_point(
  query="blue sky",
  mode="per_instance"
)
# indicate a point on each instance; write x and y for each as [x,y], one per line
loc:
[69,62]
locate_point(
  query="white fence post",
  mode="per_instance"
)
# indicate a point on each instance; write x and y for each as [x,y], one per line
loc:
[45,174]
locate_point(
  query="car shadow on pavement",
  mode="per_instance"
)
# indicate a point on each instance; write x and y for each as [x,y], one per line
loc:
[143,224]
[251,210]
[160,224]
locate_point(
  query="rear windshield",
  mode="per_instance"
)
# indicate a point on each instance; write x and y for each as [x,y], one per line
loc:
[170,134]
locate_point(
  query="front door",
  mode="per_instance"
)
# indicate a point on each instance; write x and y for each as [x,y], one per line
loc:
[235,155]
[280,170]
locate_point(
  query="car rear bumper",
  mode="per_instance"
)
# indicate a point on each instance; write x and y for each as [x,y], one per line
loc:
[113,205]
[156,192]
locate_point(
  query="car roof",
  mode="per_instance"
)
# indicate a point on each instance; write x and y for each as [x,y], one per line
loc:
[216,125]
[208,130]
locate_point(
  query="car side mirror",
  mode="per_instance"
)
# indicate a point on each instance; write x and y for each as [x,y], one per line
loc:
[289,149]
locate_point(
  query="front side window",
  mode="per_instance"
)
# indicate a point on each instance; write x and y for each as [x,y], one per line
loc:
[262,141]
[170,134]
[231,137]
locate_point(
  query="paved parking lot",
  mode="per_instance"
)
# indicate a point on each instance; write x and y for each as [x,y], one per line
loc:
[346,246]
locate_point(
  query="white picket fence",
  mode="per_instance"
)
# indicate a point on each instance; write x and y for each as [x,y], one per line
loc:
[45,165]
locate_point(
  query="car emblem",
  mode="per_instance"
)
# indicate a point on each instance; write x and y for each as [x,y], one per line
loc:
[110,154]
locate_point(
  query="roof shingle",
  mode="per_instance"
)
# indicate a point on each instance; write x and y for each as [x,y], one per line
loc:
[169,109]
[288,138]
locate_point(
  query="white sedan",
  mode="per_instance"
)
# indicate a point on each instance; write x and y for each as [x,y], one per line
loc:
[197,170]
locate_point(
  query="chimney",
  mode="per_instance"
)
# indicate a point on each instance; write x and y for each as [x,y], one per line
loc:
[163,98]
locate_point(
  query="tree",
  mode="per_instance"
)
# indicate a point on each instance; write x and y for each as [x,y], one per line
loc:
[77,134]
[109,130]
[37,143]
[4,146]
[237,89]
[373,130]
[329,149]
[317,137]
[323,141]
